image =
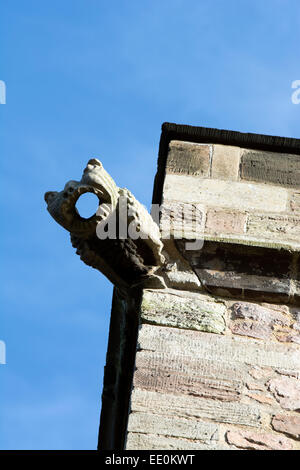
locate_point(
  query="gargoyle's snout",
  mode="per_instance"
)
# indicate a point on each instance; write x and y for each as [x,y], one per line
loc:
[49,195]
[95,162]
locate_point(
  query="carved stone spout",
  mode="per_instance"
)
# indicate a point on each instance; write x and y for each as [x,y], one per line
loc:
[121,239]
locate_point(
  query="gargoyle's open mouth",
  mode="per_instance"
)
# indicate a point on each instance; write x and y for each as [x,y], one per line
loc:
[62,207]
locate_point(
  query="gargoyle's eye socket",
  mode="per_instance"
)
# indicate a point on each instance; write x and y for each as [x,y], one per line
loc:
[68,191]
[87,205]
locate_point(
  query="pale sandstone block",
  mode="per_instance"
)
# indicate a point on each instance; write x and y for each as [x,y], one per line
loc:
[295,202]
[197,312]
[225,162]
[181,220]
[173,426]
[140,441]
[226,349]
[192,365]
[183,279]
[226,194]
[188,158]
[180,374]
[225,222]
[274,227]
[189,406]
[263,373]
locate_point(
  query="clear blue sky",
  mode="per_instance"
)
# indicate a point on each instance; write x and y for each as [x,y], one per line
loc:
[95,78]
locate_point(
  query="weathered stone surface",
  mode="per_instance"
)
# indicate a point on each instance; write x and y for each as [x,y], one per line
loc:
[173,427]
[261,322]
[226,194]
[288,337]
[274,227]
[225,162]
[181,220]
[260,373]
[188,158]
[261,314]
[295,202]
[288,424]
[258,440]
[261,398]
[141,441]
[297,289]
[182,279]
[289,373]
[181,374]
[225,350]
[189,406]
[255,386]
[286,390]
[196,312]
[271,167]
[232,266]
[220,221]
[252,329]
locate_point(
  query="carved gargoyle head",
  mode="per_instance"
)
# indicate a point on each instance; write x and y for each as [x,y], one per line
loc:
[62,205]
[126,261]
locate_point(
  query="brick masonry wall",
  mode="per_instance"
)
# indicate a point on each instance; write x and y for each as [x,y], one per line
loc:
[218,361]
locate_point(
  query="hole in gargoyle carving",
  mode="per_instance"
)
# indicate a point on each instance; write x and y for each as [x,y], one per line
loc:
[87,205]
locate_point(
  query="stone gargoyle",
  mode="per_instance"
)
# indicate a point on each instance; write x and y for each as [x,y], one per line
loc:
[102,241]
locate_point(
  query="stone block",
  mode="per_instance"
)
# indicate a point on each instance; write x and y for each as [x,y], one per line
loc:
[188,158]
[182,375]
[230,266]
[225,162]
[196,312]
[295,202]
[288,424]
[220,221]
[181,220]
[274,227]
[286,390]
[222,350]
[258,441]
[141,441]
[173,427]
[260,313]
[261,322]
[251,329]
[189,406]
[225,194]
[271,167]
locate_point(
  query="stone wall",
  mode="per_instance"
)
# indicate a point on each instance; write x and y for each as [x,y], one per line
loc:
[218,351]
[249,197]
[213,373]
